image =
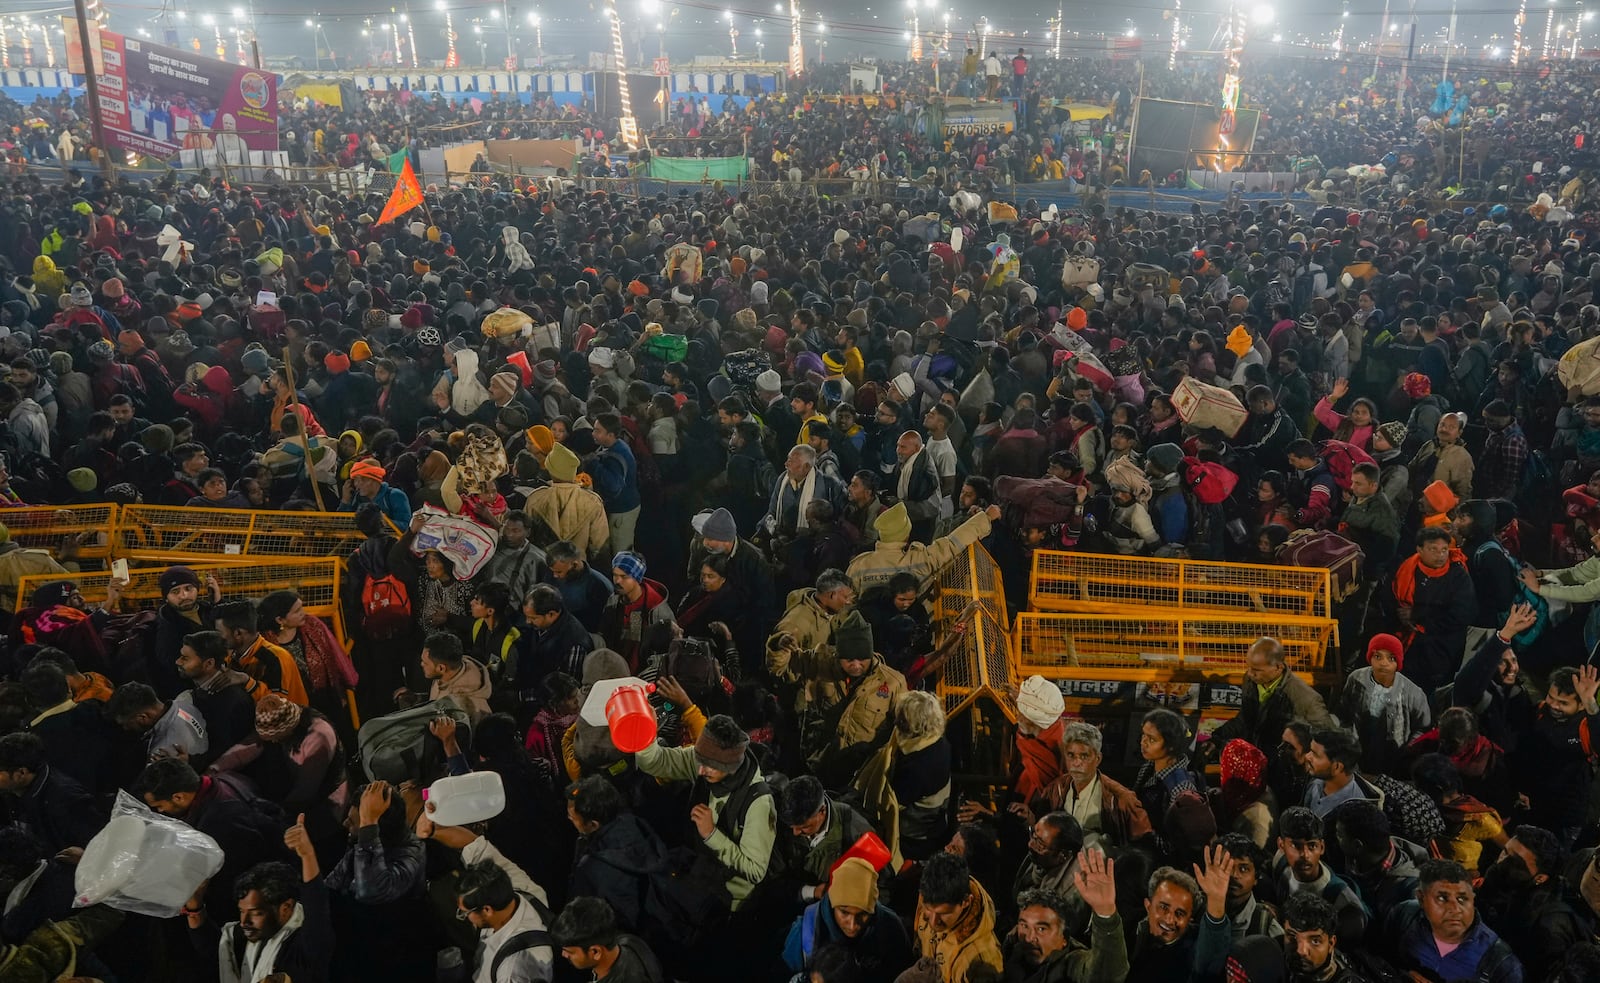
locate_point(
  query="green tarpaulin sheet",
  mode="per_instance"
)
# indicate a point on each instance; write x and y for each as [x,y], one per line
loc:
[699,168]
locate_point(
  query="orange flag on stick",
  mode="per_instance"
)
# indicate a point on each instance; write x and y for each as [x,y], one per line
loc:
[407,195]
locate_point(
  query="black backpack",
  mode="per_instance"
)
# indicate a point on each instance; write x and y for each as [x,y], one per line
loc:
[687,896]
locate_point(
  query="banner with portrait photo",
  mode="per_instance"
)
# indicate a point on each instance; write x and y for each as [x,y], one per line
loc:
[156,101]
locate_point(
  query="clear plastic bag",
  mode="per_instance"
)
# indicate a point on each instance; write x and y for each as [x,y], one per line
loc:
[144,863]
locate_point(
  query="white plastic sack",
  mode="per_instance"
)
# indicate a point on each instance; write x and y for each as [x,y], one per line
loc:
[144,863]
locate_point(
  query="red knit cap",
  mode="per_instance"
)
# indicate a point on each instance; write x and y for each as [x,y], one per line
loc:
[1387,643]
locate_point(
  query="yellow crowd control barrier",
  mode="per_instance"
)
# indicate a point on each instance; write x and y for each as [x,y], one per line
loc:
[316,581]
[166,534]
[972,576]
[1093,582]
[1159,644]
[45,526]
[982,666]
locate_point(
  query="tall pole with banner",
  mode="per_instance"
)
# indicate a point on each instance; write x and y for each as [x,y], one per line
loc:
[91,84]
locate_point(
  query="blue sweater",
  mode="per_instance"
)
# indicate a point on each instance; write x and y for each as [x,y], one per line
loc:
[392,501]
[616,477]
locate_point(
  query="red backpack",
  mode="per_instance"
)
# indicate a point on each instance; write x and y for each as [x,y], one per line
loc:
[1341,459]
[385,607]
[1211,482]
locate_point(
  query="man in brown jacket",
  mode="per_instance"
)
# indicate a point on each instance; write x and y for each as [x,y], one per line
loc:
[1105,810]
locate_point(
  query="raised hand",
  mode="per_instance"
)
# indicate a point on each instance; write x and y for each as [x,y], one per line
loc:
[1586,683]
[296,838]
[1522,616]
[1214,880]
[375,800]
[1096,881]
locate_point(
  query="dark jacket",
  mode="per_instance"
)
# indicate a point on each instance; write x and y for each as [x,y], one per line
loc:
[374,872]
[813,864]
[1538,924]
[922,494]
[881,952]
[1262,724]
[1198,956]
[247,828]
[1104,960]
[80,742]
[171,627]
[559,648]
[585,593]
[1481,956]
[56,809]
[611,862]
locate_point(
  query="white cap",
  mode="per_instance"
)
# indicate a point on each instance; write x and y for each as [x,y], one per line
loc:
[769,382]
[904,383]
[603,357]
[1040,703]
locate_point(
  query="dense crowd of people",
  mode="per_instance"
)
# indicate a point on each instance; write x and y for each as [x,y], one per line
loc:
[724,442]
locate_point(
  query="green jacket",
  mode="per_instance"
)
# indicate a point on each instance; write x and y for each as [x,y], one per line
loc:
[1105,960]
[749,856]
[1576,585]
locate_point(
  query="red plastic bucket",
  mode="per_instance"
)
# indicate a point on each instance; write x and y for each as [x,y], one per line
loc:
[869,848]
[631,721]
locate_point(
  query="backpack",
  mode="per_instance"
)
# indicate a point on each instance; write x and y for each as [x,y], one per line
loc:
[398,747]
[687,894]
[667,347]
[130,641]
[1541,607]
[1341,459]
[523,941]
[1207,481]
[385,607]
[1536,473]
[1305,283]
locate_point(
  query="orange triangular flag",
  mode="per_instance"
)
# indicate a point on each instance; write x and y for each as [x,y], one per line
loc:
[407,195]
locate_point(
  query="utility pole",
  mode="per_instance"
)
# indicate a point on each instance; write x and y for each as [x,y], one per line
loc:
[91,84]
[1405,66]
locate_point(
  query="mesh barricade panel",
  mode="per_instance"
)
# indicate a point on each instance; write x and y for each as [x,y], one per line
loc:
[45,526]
[173,535]
[1064,581]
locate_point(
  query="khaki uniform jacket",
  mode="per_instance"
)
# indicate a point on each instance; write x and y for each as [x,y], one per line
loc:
[16,563]
[874,569]
[571,512]
[809,623]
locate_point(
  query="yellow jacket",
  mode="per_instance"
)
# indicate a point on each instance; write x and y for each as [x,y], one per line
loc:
[971,944]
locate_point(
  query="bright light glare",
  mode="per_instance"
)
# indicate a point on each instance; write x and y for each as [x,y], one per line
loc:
[1264,14]
[310,22]
[533,20]
[494,14]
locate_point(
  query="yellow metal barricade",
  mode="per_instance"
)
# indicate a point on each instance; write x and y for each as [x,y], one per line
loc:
[1160,644]
[165,534]
[316,581]
[1085,582]
[45,526]
[972,576]
[982,666]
